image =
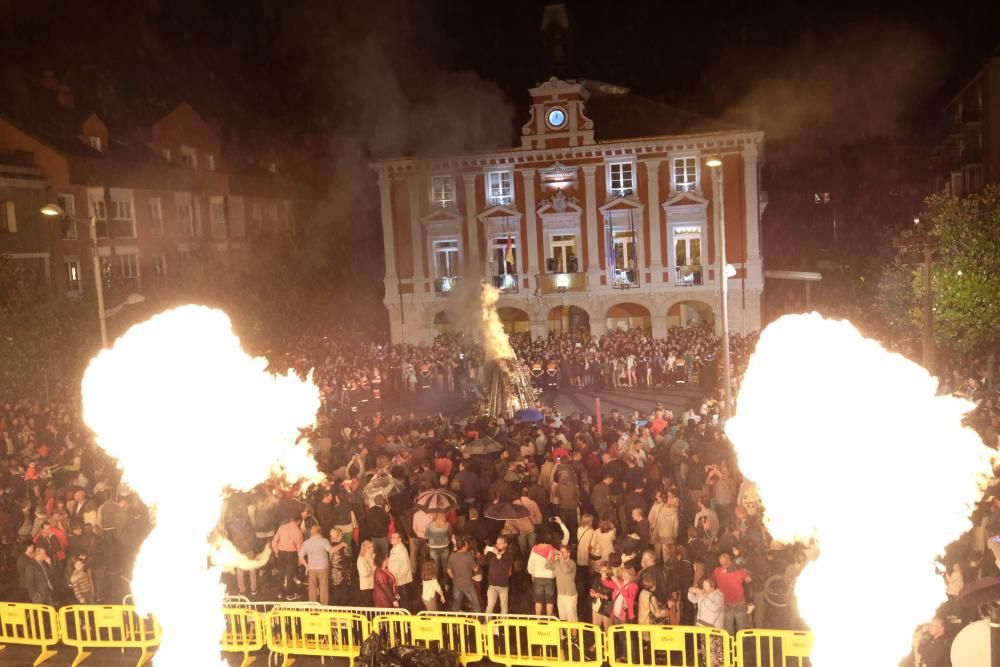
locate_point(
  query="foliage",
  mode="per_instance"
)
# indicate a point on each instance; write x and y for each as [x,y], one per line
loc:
[897,301]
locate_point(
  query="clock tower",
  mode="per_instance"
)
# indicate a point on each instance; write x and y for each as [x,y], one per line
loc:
[557,116]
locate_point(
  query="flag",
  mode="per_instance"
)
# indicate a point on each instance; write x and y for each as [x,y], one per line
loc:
[508,255]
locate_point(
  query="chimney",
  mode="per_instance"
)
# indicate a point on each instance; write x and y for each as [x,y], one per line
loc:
[557,37]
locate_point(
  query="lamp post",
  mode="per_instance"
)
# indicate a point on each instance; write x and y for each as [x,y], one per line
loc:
[53,210]
[715,164]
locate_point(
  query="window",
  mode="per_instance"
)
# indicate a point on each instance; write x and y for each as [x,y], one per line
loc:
[67,224]
[217,214]
[122,221]
[500,188]
[685,174]
[621,179]
[155,216]
[443,190]
[160,265]
[956,184]
[98,209]
[446,258]
[67,203]
[211,161]
[189,157]
[185,217]
[504,255]
[563,256]
[74,281]
[129,264]
[624,259]
[8,217]
[687,254]
[821,197]
[95,143]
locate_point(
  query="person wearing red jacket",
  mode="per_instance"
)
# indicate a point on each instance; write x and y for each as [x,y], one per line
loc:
[624,605]
[384,591]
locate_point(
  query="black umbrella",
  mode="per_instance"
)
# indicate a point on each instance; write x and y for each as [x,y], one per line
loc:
[483,446]
[506,512]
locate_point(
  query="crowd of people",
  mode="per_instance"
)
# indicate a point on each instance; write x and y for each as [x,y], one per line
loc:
[646,520]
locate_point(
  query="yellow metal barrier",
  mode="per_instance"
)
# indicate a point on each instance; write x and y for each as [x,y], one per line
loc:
[668,646]
[29,625]
[88,627]
[773,648]
[464,636]
[541,642]
[294,632]
[244,633]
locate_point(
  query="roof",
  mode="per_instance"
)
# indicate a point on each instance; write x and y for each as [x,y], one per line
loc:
[631,116]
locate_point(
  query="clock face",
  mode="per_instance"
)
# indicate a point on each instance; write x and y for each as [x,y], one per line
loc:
[556,117]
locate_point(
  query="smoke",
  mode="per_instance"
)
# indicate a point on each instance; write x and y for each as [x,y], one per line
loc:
[495,340]
[472,308]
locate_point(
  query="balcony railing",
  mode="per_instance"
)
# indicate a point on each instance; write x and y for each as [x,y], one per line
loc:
[557,283]
[624,278]
[688,276]
[507,283]
[445,286]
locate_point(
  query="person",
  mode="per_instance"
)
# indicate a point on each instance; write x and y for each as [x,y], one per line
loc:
[314,556]
[285,544]
[81,581]
[955,581]
[340,568]
[377,522]
[25,560]
[499,564]
[566,592]
[399,565]
[628,591]
[706,513]
[40,578]
[343,519]
[663,522]
[711,612]
[438,536]
[432,594]
[603,544]
[366,572]
[461,567]
[584,536]
[567,497]
[384,590]
[541,567]
[650,612]
[934,646]
[602,594]
[730,580]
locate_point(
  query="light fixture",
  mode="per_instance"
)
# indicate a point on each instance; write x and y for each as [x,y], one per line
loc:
[730,270]
[52,210]
[713,162]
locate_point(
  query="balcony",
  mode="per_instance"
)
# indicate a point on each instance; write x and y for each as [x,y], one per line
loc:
[507,283]
[689,276]
[445,286]
[558,283]
[624,278]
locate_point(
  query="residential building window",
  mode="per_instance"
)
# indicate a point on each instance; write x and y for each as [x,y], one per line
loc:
[67,224]
[185,218]
[160,265]
[687,244]
[446,258]
[95,143]
[504,255]
[500,187]
[122,220]
[821,197]
[98,209]
[211,161]
[956,184]
[685,174]
[563,257]
[74,281]
[8,217]
[624,250]
[129,264]
[217,214]
[443,190]
[189,157]
[155,216]
[621,178]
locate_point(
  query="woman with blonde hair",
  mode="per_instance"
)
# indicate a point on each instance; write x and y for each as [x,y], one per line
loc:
[584,537]
[366,572]
[603,544]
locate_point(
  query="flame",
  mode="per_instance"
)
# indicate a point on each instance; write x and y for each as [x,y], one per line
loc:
[495,341]
[849,445]
[189,415]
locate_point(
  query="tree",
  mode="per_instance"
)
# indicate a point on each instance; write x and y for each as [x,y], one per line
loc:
[897,301]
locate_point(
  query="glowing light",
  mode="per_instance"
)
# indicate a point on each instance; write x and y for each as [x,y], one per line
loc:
[495,341]
[836,432]
[189,415]
[562,281]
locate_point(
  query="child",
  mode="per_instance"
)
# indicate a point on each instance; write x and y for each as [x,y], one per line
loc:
[81,582]
[432,592]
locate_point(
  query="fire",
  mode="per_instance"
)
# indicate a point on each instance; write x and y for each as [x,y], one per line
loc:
[495,340]
[849,445]
[189,415]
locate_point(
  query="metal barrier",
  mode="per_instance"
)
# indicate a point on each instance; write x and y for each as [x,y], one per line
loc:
[245,633]
[773,648]
[29,625]
[294,632]
[541,642]
[464,636]
[88,627]
[484,618]
[668,646]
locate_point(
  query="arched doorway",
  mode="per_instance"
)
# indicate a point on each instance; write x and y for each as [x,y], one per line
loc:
[441,324]
[569,319]
[514,320]
[629,316]
[690,314]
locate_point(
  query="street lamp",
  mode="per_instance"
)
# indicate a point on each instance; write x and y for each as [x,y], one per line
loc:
[54,210]
[715,164]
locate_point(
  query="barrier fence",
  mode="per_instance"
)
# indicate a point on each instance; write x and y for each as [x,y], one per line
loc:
[289,631]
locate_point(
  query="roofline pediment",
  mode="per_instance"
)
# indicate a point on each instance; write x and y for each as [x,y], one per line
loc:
[679,201]
[499,212]
[621,204]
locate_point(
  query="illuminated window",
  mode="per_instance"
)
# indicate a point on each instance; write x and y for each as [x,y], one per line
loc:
[185,216]
[122,220]
[563,258]
[504,256]
[446,258]
[129,264]
[685,174]
[621,178]
[74,282]
[95,143]
[155,216]
[821,198]
[443,190]
[217,215]
[500,187]
[160,265]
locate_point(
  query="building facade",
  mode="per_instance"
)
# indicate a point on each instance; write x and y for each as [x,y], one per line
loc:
[607,216]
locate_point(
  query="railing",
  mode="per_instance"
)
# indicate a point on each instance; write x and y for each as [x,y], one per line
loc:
[624,278]
[689,276]
[507,283]
[555,283]
[446,285]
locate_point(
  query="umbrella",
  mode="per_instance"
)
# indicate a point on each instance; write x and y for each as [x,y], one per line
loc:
[383,485]
[483,445]
[506,512]
[526,415]
[436,501]
[980,592]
